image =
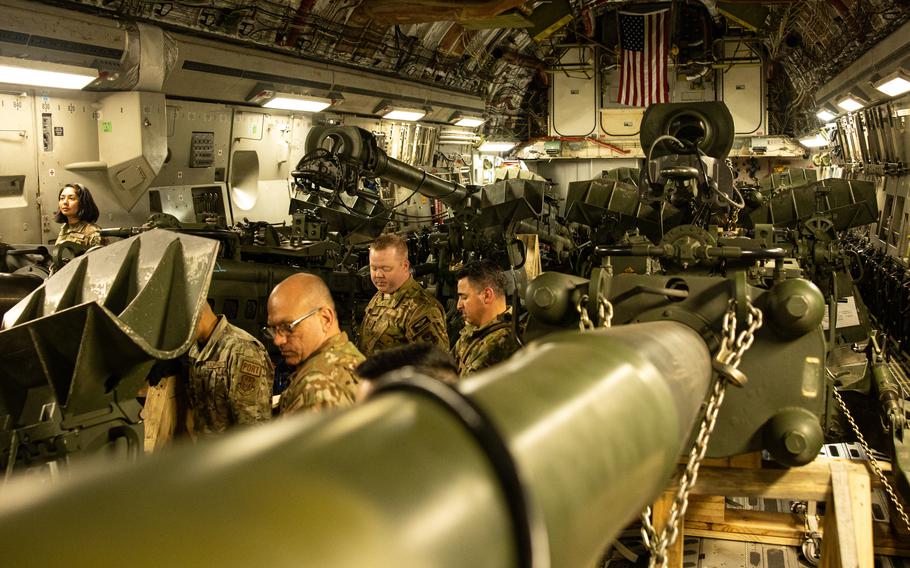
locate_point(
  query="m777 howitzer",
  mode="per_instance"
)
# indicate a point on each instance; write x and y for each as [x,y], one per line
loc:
[532,463]
[481,219]
[684,240]
[683,244]
[539,461]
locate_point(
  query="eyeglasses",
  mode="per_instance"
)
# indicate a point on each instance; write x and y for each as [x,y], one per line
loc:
[286,329]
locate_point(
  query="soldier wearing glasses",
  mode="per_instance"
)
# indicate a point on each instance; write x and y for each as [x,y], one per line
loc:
[304,326]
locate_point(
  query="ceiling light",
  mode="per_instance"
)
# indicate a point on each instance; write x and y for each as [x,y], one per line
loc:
[45,74]
[467,121]
[409,115]
[303,104]
[496,146]
[850,103]
[825,115]
[390,111]
[269,98]
[399,113]
[894,84]
[814,141]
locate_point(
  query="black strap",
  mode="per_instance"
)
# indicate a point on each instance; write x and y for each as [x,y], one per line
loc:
[482,429]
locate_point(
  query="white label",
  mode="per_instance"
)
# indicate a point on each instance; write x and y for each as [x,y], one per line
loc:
[847,316]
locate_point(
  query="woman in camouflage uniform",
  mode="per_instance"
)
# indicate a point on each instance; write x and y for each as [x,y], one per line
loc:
[78,213]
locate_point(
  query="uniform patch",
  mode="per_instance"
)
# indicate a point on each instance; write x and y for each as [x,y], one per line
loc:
[246,385]
[250,368]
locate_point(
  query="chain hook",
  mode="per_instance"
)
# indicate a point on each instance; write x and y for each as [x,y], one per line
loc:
[732,349]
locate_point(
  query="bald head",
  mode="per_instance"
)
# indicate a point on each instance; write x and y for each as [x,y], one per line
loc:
[305,299]
[303,292]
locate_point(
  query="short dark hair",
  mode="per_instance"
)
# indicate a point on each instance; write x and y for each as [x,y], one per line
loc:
[425,357]
[391,240]
[87,212]
[485,274]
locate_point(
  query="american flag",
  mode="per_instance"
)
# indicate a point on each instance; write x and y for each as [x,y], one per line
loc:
[644,43]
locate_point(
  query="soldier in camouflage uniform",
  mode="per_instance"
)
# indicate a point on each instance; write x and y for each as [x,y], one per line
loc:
[304,326]
[230,376]
[487,337]
[77,211]
[401,312]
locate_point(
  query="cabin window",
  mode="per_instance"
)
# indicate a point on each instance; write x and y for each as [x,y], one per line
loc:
[229,308]
[250,311]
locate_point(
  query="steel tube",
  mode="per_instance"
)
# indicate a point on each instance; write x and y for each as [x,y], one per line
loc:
[594,423]
[408,176]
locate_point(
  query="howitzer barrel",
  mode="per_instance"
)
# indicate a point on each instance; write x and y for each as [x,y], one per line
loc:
[408,176]
[592,423]
[359,145]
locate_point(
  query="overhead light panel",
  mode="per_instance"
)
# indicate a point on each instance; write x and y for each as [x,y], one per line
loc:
[894,84]
[390,111]
[409,115]
[300,103]
[268,98]
[467,121]
[814,141]
[825,115]
[851,103]
[44,74]
[496,146]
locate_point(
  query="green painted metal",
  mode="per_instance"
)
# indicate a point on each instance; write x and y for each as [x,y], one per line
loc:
[397,481]
[785,364]
[79,347]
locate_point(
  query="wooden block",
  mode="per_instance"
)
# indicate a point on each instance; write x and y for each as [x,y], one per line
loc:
[661,511]
[848,519]
[751,460]
[532,255]
[751,526]
[807,482]
[783,529]
[163,413]
[706,508]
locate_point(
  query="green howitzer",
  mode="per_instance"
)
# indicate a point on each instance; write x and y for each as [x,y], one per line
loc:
[540,461]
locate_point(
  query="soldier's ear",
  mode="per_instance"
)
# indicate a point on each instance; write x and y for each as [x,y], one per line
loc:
[487,295]
[326,315]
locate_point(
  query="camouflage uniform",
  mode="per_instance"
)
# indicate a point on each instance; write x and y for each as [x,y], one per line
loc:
[484,346]
[230,380]
[326,379]
[409,315]
[82,233]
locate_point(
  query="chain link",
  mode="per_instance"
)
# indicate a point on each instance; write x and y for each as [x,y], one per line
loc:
[604,311]
[873,463]
[730,354]
[584,321]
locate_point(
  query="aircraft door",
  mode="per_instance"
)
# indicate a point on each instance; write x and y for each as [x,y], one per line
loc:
[20,213]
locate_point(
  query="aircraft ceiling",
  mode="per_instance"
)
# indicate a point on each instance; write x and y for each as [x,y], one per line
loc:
[503,50]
